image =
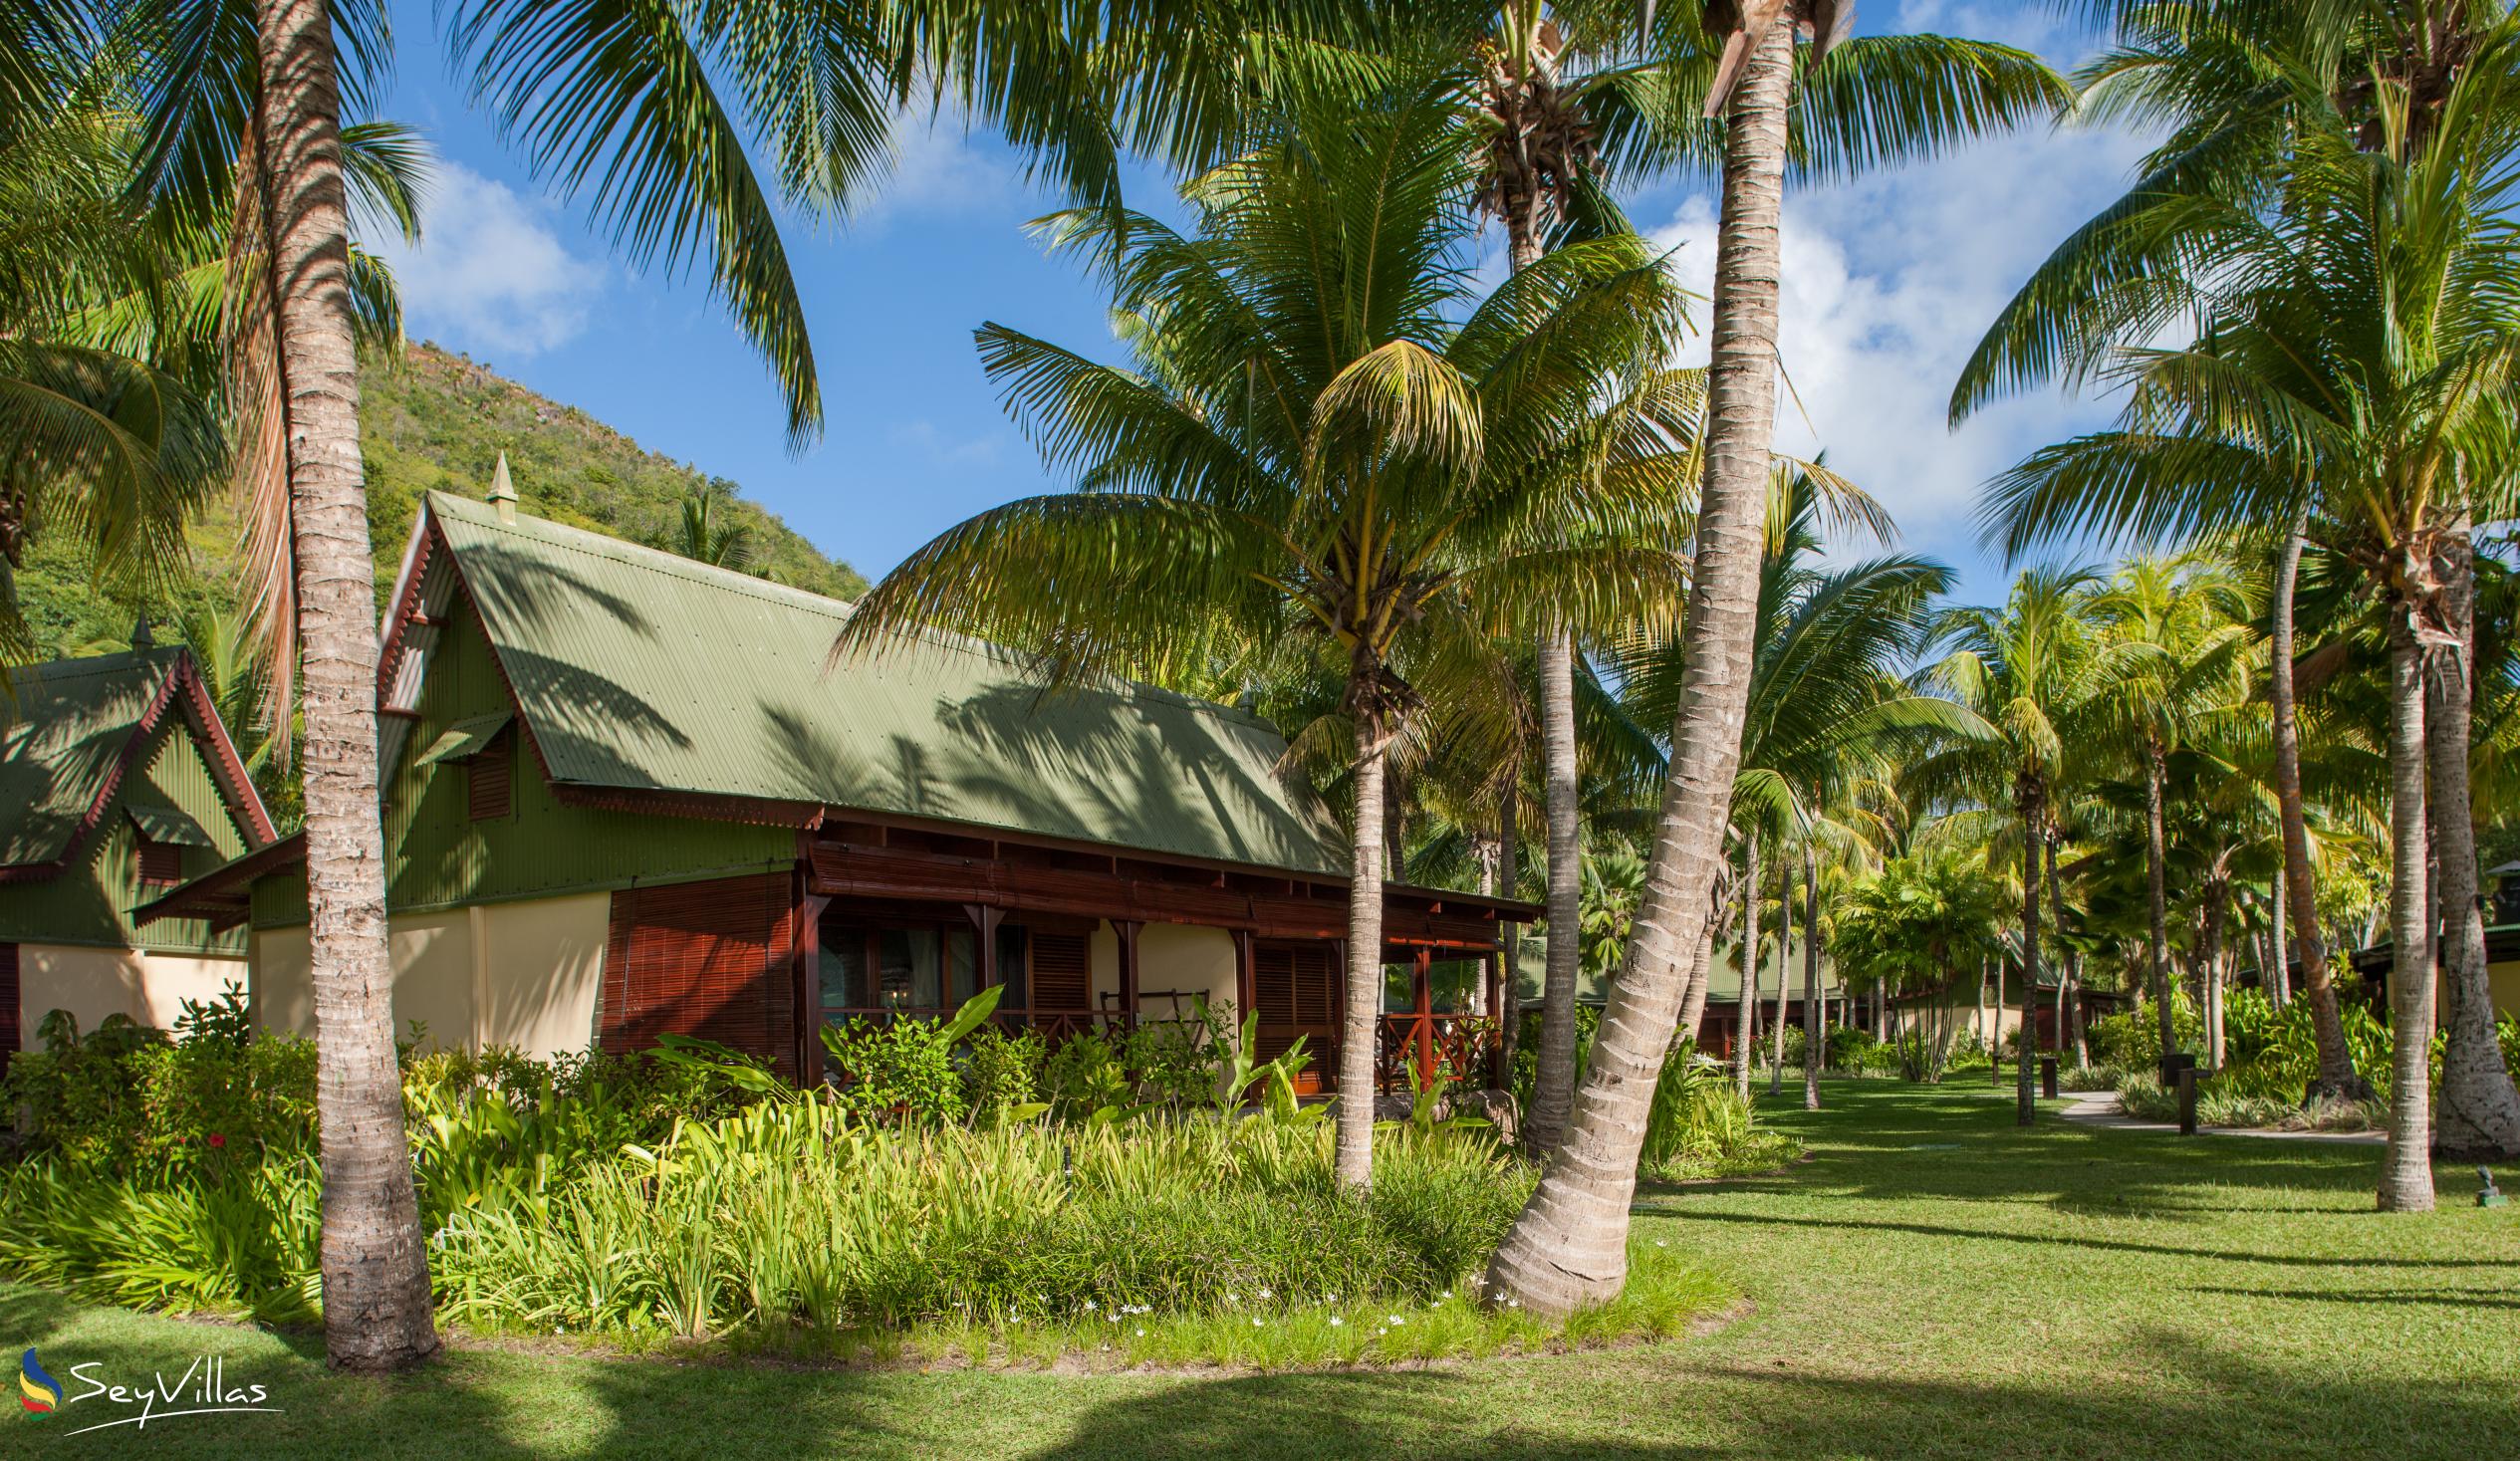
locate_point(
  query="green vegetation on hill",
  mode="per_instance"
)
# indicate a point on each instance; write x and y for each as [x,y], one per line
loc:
[436,421]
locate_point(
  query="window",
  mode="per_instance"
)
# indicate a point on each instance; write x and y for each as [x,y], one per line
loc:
[162,863]
[490,779]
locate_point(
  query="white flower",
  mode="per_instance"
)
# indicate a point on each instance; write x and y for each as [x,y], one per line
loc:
[1658,1243]
[1330,1297]
[1142,1333]
[1089,1306]
[1396,1321]
[1233,1298]
[1513,1303]
[1447,1292]
[1111,1319]
[1256,1321]
[1266,1295]
[1336,1320]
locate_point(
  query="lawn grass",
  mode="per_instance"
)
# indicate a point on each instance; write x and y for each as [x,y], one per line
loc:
[1930,1284]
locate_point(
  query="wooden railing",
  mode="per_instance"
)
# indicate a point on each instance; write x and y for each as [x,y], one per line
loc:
[1408,1048]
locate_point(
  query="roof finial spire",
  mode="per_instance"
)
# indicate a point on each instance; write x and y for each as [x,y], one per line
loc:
[142,639]
[503,491]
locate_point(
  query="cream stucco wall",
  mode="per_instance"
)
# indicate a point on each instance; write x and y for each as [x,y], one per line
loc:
[521,974]
[1194,961]
[92,982]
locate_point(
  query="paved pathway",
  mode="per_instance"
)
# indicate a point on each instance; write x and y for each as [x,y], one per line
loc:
[2101,1108]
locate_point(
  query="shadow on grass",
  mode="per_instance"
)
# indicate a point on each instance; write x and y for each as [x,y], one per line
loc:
[2077,1240]
[1691,1406]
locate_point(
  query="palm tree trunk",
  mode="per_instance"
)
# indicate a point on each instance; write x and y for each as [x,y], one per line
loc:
[1981,1009]
[2405,1178]
[2279,973]
[1784,962]
[375,1266]
[1354,1164]
[2065,957]
[1570,1245]
[2157,903]
[2480,1110]
[2031,796]
[1693,998]
[2337,1077]
[1744,1031]
[1553,1086]
[1509,872]
[1815,1020]
[2210,974]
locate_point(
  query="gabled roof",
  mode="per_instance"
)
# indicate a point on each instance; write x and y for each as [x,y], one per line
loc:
[71,730]
[638,672]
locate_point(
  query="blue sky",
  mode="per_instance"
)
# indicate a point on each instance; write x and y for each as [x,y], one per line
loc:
[1890,281]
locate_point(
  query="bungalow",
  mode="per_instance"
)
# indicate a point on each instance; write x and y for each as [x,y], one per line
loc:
[627,794]
[117,782]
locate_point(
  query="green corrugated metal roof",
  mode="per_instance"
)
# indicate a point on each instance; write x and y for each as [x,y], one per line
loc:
[63,726]
[636,668]
[466,737]
[169,825]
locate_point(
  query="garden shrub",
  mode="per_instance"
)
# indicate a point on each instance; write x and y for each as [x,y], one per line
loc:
[897,1066]
[1086,1074]
[1001,1070]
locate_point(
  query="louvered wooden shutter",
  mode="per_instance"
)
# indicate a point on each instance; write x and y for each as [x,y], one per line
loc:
[1062,973]
[1312,984]
[1273,979]
[490,777]
[711,959]
[12,1033]
[160,863]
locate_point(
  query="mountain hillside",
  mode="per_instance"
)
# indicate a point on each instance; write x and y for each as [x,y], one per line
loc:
[435,421]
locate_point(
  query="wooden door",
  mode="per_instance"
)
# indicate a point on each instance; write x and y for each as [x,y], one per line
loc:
[1295,989]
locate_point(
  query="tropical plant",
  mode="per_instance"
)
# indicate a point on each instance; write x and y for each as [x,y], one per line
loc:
[1326,443]
[2041,677]
[1568,1246]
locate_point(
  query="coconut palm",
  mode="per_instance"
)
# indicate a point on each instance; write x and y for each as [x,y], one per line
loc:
[646,112]
[2355,345]
[1569,1246]
[2037,672]
[101,436]
[1332,438]
[1567,90]
[2188,619]
[2242,86]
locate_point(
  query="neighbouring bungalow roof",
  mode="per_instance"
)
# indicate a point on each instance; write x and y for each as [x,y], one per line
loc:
[635,669]
[71,730]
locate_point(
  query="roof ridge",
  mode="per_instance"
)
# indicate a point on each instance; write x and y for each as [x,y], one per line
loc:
[662,559]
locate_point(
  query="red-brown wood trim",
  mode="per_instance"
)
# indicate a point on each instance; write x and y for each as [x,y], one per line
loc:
[1124,932]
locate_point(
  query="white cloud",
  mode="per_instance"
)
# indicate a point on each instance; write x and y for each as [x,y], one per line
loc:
[1889,283]
[490,272]
[940,167]
[940,448]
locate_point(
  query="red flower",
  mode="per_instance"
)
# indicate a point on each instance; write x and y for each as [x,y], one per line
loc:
[217,1141]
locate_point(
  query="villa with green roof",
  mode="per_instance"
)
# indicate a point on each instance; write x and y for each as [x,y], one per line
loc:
[118,782]
[627,794]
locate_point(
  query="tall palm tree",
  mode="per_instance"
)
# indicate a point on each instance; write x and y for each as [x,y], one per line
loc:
[2036,671]
[2354,345]
[1568,1245]
[2186,619]
[103,437]
[1567,90]
[2235,83]
[623,105]
[1331,438]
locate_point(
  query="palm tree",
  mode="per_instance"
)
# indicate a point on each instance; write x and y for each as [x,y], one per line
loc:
[2036,672]
[2240,84]
[2353,346]
[705,535]
[1566,90]
[1568,1245]
[1332,439]
[2186,619]
[244,126]
[102,435]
